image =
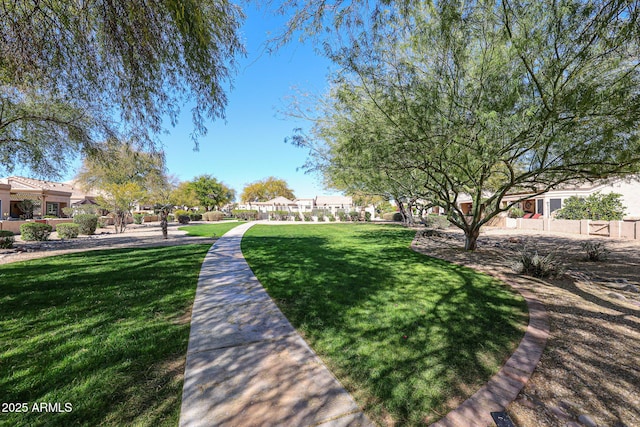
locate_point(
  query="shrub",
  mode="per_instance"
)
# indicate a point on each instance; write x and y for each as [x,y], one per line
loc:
[279,215]
[307,216]
[87,222]
[515,213]
[195,216]
[367,216]
[603,207]
[213,216]
[596,251]
[170,217]
[102,222]
[184,219]
[354,216]
[297,217]
[392,216]
[331,217]
[35,231]
[68,230]
[245,214]
[137,218]
[436,222]
[531,263]
[179,212]
[6,239]
[50,217]
[342,216]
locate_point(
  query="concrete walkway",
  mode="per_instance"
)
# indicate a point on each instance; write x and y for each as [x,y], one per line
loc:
[246,365]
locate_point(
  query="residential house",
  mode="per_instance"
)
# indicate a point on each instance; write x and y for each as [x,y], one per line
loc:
[544,205]
[326,204]
[48,197]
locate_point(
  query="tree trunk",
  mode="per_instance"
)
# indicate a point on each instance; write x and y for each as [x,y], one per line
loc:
[471,238]
[163,223]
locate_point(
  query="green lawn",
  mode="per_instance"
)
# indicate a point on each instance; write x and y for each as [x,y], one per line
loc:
[405,333]
[105,331]
[216,229]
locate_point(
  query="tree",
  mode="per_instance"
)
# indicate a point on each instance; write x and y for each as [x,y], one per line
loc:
[122,174]
[137,59]
[597,206]
[183,195]
[479,99]
[210,192]
[266,189]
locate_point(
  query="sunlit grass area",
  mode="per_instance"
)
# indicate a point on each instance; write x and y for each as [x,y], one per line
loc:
[406,334]
[210,230]
[105,331]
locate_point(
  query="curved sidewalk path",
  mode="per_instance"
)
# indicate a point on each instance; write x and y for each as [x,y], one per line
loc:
[246,365]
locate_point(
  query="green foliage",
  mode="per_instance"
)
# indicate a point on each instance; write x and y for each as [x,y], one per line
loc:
[515,212]
[87,222]
[297,217]
[595,251]
[597,206]
[35,231]
[210,230]
[195,216]
[481,99]
[529,262]
[27,206]
[6,239]
[331,218]
[266,189]
[137,218]
[436,222]
[354,216]
[342,216]
[210,192]
[245,214]
[68,230]
[87,60]
[183,219]
[179,212]
[307,216]
[367,216]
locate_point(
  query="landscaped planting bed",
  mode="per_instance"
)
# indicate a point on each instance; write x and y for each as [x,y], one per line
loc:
[409,336]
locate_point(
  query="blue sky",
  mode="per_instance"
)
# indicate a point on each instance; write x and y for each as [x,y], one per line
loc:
[249,145]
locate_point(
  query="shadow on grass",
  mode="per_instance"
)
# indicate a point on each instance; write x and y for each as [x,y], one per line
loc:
[408,335]
[102,330]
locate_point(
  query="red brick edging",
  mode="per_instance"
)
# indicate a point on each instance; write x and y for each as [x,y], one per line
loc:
[504,386]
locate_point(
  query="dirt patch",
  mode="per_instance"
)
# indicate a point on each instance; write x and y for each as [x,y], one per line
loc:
[136,236]
[589,370]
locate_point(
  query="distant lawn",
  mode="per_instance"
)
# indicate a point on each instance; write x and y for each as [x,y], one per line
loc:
[105,331]
[216,229]
[405,333]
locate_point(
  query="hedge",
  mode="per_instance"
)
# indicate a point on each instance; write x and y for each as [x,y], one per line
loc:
[68,230]
[35,231]
[87,223]
[6,239]
[245,214]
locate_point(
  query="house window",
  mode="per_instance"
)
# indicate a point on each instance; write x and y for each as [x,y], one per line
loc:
[52,209]
[555,204]
[540,206]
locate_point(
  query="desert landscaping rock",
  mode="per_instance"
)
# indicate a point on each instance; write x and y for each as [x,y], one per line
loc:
[587,421]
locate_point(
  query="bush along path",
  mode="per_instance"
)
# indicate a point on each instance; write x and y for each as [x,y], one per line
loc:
[246,364]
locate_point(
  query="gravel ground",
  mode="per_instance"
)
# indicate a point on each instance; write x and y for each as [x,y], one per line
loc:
[145,235]
[589,373]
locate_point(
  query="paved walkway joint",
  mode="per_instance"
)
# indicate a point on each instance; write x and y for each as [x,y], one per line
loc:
[246,365]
